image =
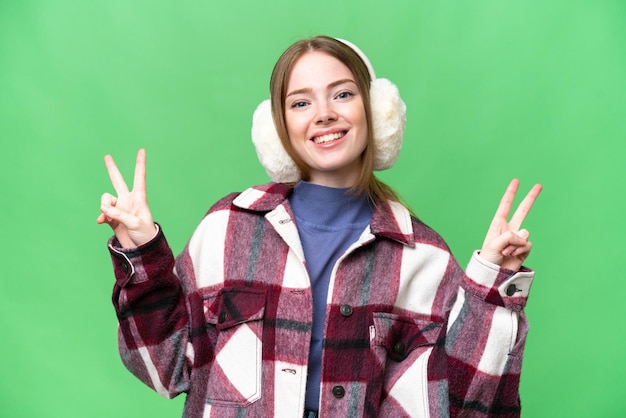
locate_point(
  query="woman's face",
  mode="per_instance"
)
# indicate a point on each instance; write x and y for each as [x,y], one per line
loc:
[325,119]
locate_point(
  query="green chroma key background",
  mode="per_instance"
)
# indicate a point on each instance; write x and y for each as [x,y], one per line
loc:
[495,89]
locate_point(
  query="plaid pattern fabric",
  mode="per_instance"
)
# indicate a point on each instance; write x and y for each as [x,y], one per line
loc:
[407,332]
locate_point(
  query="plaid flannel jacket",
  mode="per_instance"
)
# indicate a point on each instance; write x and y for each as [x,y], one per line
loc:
[407,332]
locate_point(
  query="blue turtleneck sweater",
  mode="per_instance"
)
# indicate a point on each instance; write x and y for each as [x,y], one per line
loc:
[329,220]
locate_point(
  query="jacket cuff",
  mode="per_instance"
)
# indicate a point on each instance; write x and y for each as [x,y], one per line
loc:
[137,265]
[498,285]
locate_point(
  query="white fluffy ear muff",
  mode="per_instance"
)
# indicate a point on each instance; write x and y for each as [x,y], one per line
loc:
[272,155]
[388,120]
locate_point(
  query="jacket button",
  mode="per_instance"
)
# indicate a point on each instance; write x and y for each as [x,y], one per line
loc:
[399,347]
[345,310]
[222,317]
[338,391]
[125,267]
[511,289]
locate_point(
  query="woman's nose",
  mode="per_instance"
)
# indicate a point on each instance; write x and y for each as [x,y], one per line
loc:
[325,114]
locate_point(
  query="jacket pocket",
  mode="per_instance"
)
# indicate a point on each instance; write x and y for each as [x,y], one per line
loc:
[234,319]
[402,346]
[401,335]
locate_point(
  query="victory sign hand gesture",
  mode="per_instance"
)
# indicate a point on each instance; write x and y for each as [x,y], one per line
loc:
[128,213]
[505,243]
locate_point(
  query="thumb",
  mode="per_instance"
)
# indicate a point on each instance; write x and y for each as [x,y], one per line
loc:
[523,233]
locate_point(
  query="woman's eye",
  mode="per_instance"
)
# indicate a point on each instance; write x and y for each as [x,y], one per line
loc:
[298,104]
[344,95]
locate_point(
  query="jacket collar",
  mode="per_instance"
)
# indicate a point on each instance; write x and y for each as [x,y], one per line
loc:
[390,220]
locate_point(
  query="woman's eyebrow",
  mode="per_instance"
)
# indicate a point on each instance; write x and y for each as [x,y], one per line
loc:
[342,81]
[331,85]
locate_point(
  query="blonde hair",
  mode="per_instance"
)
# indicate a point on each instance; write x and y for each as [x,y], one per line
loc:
[367,183]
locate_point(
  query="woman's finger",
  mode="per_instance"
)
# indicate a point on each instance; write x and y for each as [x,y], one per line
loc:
[101,219]
[116,214]
[108,199]
[524,207]
[139,182]
[522,251]
[114,174]
[512,250]
[506,203]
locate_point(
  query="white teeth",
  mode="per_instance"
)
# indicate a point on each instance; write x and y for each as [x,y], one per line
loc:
[328,138]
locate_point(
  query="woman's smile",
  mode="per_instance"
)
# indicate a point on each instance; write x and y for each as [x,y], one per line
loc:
[328,138]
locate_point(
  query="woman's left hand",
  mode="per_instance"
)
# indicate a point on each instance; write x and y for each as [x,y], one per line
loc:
[505,243]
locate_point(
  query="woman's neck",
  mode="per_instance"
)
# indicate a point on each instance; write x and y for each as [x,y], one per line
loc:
[329,206]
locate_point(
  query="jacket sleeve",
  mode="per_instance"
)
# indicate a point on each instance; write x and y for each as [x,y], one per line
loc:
[485,340]
[152,310]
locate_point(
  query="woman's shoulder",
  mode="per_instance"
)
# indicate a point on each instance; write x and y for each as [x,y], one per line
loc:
[425,234]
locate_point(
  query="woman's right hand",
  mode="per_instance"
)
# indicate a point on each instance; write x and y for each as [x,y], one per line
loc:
[128,213]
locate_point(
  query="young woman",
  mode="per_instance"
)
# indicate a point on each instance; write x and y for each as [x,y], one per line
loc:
[319,293]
